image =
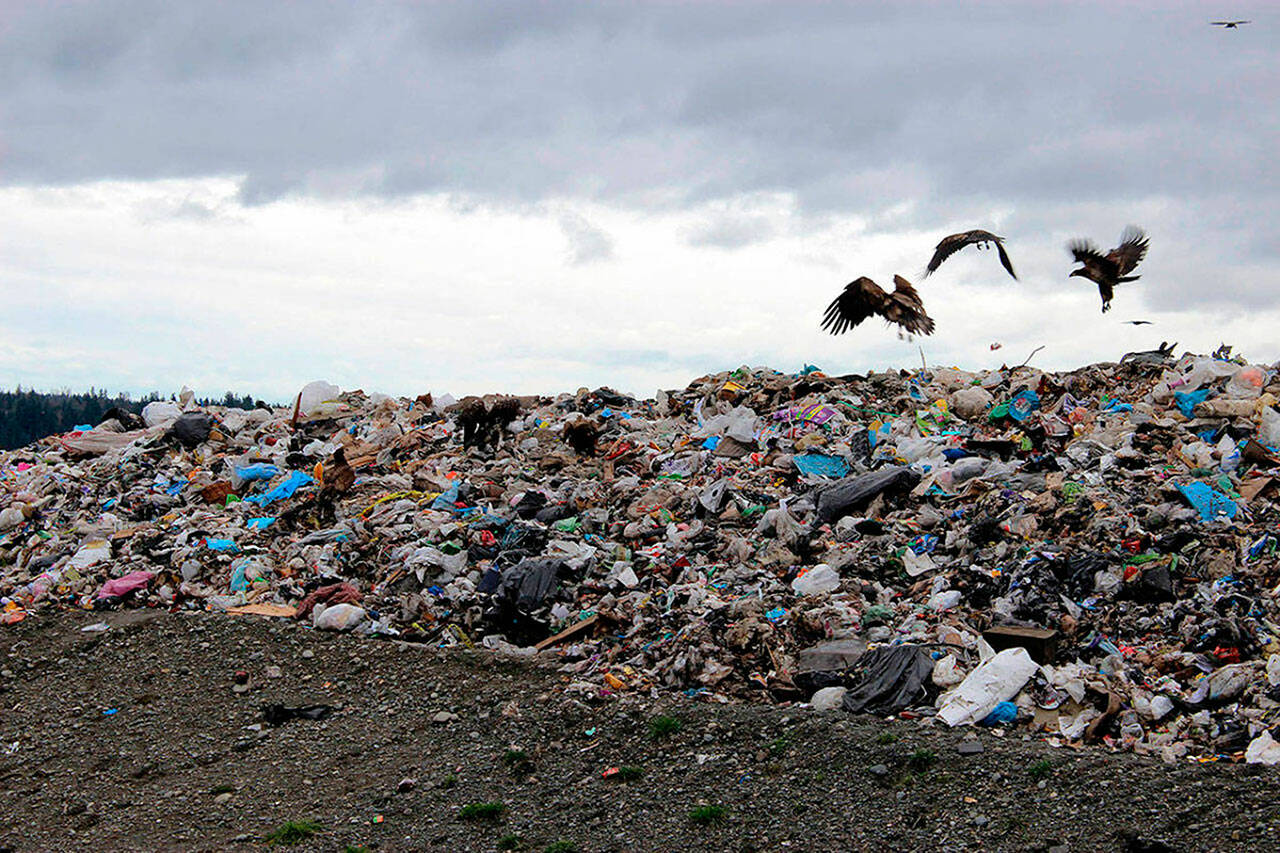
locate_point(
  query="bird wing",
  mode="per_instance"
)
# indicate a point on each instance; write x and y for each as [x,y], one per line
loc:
[1131,251]
[861,298]
[953,243]
[1004,259]
[1085,252]
[904,307]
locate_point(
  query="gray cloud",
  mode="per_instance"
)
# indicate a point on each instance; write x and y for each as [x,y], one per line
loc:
[912,116]
[729,231]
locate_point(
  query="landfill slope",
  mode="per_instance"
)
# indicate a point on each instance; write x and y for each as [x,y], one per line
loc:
[140,738]
[1085,558]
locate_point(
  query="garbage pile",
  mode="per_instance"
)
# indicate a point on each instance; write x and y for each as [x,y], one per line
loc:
[1087,555]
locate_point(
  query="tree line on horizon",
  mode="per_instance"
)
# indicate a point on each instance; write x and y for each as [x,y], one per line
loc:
[29,415]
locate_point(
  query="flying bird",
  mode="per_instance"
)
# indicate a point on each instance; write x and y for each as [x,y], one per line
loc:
[862,297]
[1138,322]
[954,243]
[1229,25]
[1114,267]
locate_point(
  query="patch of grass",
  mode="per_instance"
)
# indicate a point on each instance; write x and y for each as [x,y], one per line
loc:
[518,762]
[355,848]
[704,815]
[921,760]
[1041,769]
[664,726]
[779,745]
[630,774]
[222,789]
[449,781]
[886,738]
[510,841]
[481,811]
[293,832]
[561,847]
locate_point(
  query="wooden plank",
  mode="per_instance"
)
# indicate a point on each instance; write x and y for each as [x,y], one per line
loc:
[571,631]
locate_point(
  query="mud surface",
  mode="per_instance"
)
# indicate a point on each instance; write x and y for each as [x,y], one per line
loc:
[137,739]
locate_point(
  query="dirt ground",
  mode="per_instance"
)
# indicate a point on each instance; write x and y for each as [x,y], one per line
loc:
[137,738]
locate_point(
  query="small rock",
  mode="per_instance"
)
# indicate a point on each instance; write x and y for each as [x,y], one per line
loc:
[981,820]
[274,672]
[222,798]
[307,654]
[444,717]
[970,747]
[878,770]
[406,785]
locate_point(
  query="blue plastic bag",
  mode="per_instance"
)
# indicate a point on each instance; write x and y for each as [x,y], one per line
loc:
[1023,404]
[257,471]
[1004,712]
[226,546]
[1188,400]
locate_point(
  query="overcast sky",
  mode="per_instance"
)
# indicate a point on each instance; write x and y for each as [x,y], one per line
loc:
[526,196]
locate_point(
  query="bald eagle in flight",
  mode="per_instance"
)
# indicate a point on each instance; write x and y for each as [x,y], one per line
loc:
[1114,267]
[954,243]
[863,297]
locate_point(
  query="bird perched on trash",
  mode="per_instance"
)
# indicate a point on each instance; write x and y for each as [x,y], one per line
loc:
[582,436]
[336,480]
[1229,25]
[862,298]
[1114,267]
[955,242]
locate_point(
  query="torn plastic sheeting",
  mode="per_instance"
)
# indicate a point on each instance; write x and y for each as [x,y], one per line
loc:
[821,465]
[840,498]
[284,489]
[1210,503]
[257,471]
[893,677]
[1023,404]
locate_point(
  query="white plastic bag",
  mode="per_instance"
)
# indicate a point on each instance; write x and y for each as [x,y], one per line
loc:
[339,617]
[1262,750]
[160,412]
[995,681]
[821,578]
[319,398]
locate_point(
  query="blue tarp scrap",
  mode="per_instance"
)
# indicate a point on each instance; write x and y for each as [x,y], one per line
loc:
[1207,501]
[821,465]
[712,443]
[1188,400]
[284,489]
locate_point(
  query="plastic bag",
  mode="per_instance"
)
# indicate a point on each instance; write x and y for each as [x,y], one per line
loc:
[821,578]
[338,617]
[319,398]
[997,680]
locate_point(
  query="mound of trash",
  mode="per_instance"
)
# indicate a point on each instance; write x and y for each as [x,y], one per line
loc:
[1089,555]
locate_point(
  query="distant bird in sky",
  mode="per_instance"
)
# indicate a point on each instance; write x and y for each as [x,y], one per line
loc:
[1114,267]
[955,242]
[1138,322]
[1229,25]
[862,298]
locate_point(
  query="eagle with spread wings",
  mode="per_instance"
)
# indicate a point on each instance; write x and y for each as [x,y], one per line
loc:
[1114,267]
[862,298]
[955,242]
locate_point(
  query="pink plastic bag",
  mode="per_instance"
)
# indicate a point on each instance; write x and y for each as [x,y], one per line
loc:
[125,585]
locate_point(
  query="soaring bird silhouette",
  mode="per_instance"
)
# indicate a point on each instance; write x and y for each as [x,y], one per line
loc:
[954,243]
[1229,25]
[1114,267]
[862,297]
[1137,322]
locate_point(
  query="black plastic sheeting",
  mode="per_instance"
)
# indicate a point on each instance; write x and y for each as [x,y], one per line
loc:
[893,678]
